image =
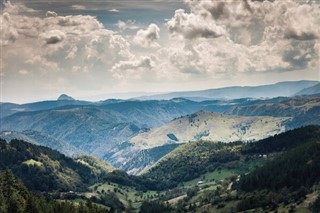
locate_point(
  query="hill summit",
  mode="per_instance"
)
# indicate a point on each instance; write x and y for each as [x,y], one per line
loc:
[65,97]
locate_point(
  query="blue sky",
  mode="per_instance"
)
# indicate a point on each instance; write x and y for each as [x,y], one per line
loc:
[92,49]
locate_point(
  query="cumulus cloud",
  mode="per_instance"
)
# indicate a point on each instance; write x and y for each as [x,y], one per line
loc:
[302,23]
[51,47]
[8,32]
[299,54]
[132,69]
[51,14]
[245,36]
[191,26]
[212,39]
[42,62]
[129,24]
[148,37]
[16,8]
[53,36]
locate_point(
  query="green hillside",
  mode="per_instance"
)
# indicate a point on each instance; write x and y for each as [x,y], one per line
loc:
[44,169]
[191,160]
[16,198]
[280,173]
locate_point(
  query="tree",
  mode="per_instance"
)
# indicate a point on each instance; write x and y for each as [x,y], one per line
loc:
[31,205]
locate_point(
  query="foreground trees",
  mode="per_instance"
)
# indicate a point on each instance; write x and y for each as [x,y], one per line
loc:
[15,197]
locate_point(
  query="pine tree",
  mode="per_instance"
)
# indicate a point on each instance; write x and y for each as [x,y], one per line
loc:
[3,206]
[31,205]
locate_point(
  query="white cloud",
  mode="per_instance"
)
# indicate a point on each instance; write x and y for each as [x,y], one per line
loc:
[114,10]
[191,26]
[8,33]
[229,37]
[129,24]
[215,40]
[58,47]
[78,7]
[132,69]
[147,38]
[53,36]
[16,8]
[42,63]
[51,14]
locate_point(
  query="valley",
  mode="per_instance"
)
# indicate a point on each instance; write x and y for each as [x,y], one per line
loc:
[177,155]
[195,177]
[126,133]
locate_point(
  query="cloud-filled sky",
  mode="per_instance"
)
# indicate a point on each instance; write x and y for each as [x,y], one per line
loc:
[91,48]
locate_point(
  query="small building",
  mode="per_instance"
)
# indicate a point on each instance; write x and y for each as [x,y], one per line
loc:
[200,182]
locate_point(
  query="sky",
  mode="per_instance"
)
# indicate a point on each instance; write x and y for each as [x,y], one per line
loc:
[113,48]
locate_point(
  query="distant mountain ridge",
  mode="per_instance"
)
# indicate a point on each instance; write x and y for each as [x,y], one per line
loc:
[304,110]
[310,90]
[90,129]
[273,90]
[40,138]
[287,89]
[133,134]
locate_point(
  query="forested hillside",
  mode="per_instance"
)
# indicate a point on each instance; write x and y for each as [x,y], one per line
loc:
[194,159]
[289,177]
[16,198]
[43,169]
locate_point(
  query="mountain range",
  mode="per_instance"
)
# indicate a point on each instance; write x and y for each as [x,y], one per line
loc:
[310,90]
[202,175]
[134,134]
[265,91]
[40,138]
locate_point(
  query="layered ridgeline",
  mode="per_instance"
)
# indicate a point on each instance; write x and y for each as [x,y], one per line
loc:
[133,134]
[40,138]
[109,132]
[304,110]
[44,169]
[313,90]
[11,108]
[90,129]
[98,130]
[267,91]
[202,125]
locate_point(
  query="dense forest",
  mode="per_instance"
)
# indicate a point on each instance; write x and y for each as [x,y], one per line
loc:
[44,169]
[16,198]
[288,178]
